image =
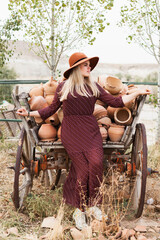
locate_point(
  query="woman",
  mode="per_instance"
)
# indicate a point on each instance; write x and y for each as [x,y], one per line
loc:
[80,133]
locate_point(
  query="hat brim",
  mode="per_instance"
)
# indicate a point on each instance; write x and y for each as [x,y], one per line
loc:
[93,63]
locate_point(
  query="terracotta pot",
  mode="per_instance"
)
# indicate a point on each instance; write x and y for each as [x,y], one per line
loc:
[47,132]
[105,121]
[50,87]
[100,103]
[53,120]
[131,89]
[115,132]
[123,116]
[113,85]
[49,99]
[59,133]
[103,132]
[99,111]
[130,105]
[37,91]
[60,114]
[37,102]
[110,112]
[38,120]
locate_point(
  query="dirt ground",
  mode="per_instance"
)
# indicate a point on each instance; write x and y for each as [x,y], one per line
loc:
[29,226]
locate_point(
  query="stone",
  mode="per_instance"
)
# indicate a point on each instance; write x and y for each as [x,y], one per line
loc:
[48,222]
[140,228]
[132,238]
[125,234]
[157,208]
[141,237]
[76,234]
[131,232]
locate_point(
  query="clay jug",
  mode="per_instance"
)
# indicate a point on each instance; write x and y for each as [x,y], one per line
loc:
[37,102]
[100,103]
[130,105]
[50,87]
[131,89]
[105,121]
[47,132]
[103,132]
[53,120]
[110,112]
[115,132]
[37,91]
[60,114]
[123,116]
[59,133]
[99,111]
[38,120]
[49,99]
[113,85]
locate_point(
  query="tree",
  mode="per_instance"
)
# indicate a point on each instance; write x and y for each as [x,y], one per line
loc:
[7,30]
[55,26]
[143,18]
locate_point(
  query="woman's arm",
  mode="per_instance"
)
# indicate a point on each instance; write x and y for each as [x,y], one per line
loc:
[132,96]
[45,112]
[25,113]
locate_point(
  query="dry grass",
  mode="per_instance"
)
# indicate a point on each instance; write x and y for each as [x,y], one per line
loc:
[42,202]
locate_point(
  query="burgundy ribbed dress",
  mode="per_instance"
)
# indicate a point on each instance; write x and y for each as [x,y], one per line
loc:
[83,142]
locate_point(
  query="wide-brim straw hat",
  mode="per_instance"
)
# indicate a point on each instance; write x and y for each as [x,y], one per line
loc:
[78,58]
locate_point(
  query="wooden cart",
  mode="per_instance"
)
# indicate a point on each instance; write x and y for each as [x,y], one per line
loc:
[34,156]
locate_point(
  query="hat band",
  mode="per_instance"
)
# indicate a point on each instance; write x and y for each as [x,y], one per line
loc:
[79,60]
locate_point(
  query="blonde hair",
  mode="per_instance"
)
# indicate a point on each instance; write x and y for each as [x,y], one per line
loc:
[77,82]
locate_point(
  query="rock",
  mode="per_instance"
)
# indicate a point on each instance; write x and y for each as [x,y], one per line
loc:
[140,228]
[87,232]
[13,231]
[131,232]
[157,208]
[48,222]
[132,238]
[124,234]
[76,234]
[151,230]
[141,237]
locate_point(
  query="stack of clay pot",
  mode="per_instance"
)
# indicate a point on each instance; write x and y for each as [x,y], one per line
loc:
[119,117]
[41,97]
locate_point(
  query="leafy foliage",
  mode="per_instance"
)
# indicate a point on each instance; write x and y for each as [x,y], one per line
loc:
[55,26]
[7,30]
[142,17]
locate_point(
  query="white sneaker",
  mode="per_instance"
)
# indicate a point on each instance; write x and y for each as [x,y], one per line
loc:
[80,219]
[96,213]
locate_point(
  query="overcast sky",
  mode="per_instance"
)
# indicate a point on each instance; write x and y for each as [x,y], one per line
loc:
[111,45]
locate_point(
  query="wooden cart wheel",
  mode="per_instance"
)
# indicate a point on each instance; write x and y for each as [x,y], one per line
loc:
[139,158]
[22,177]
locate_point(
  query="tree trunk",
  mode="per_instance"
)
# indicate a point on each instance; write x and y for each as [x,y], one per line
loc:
[52,43]
[158,95]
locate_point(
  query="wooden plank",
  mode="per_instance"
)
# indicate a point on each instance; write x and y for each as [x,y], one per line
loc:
[8,125]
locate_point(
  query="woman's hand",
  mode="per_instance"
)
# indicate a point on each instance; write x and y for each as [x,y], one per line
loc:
[143,91]
[22,112]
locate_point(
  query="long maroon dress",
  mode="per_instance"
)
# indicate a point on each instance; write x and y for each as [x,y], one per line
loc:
[83,142]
